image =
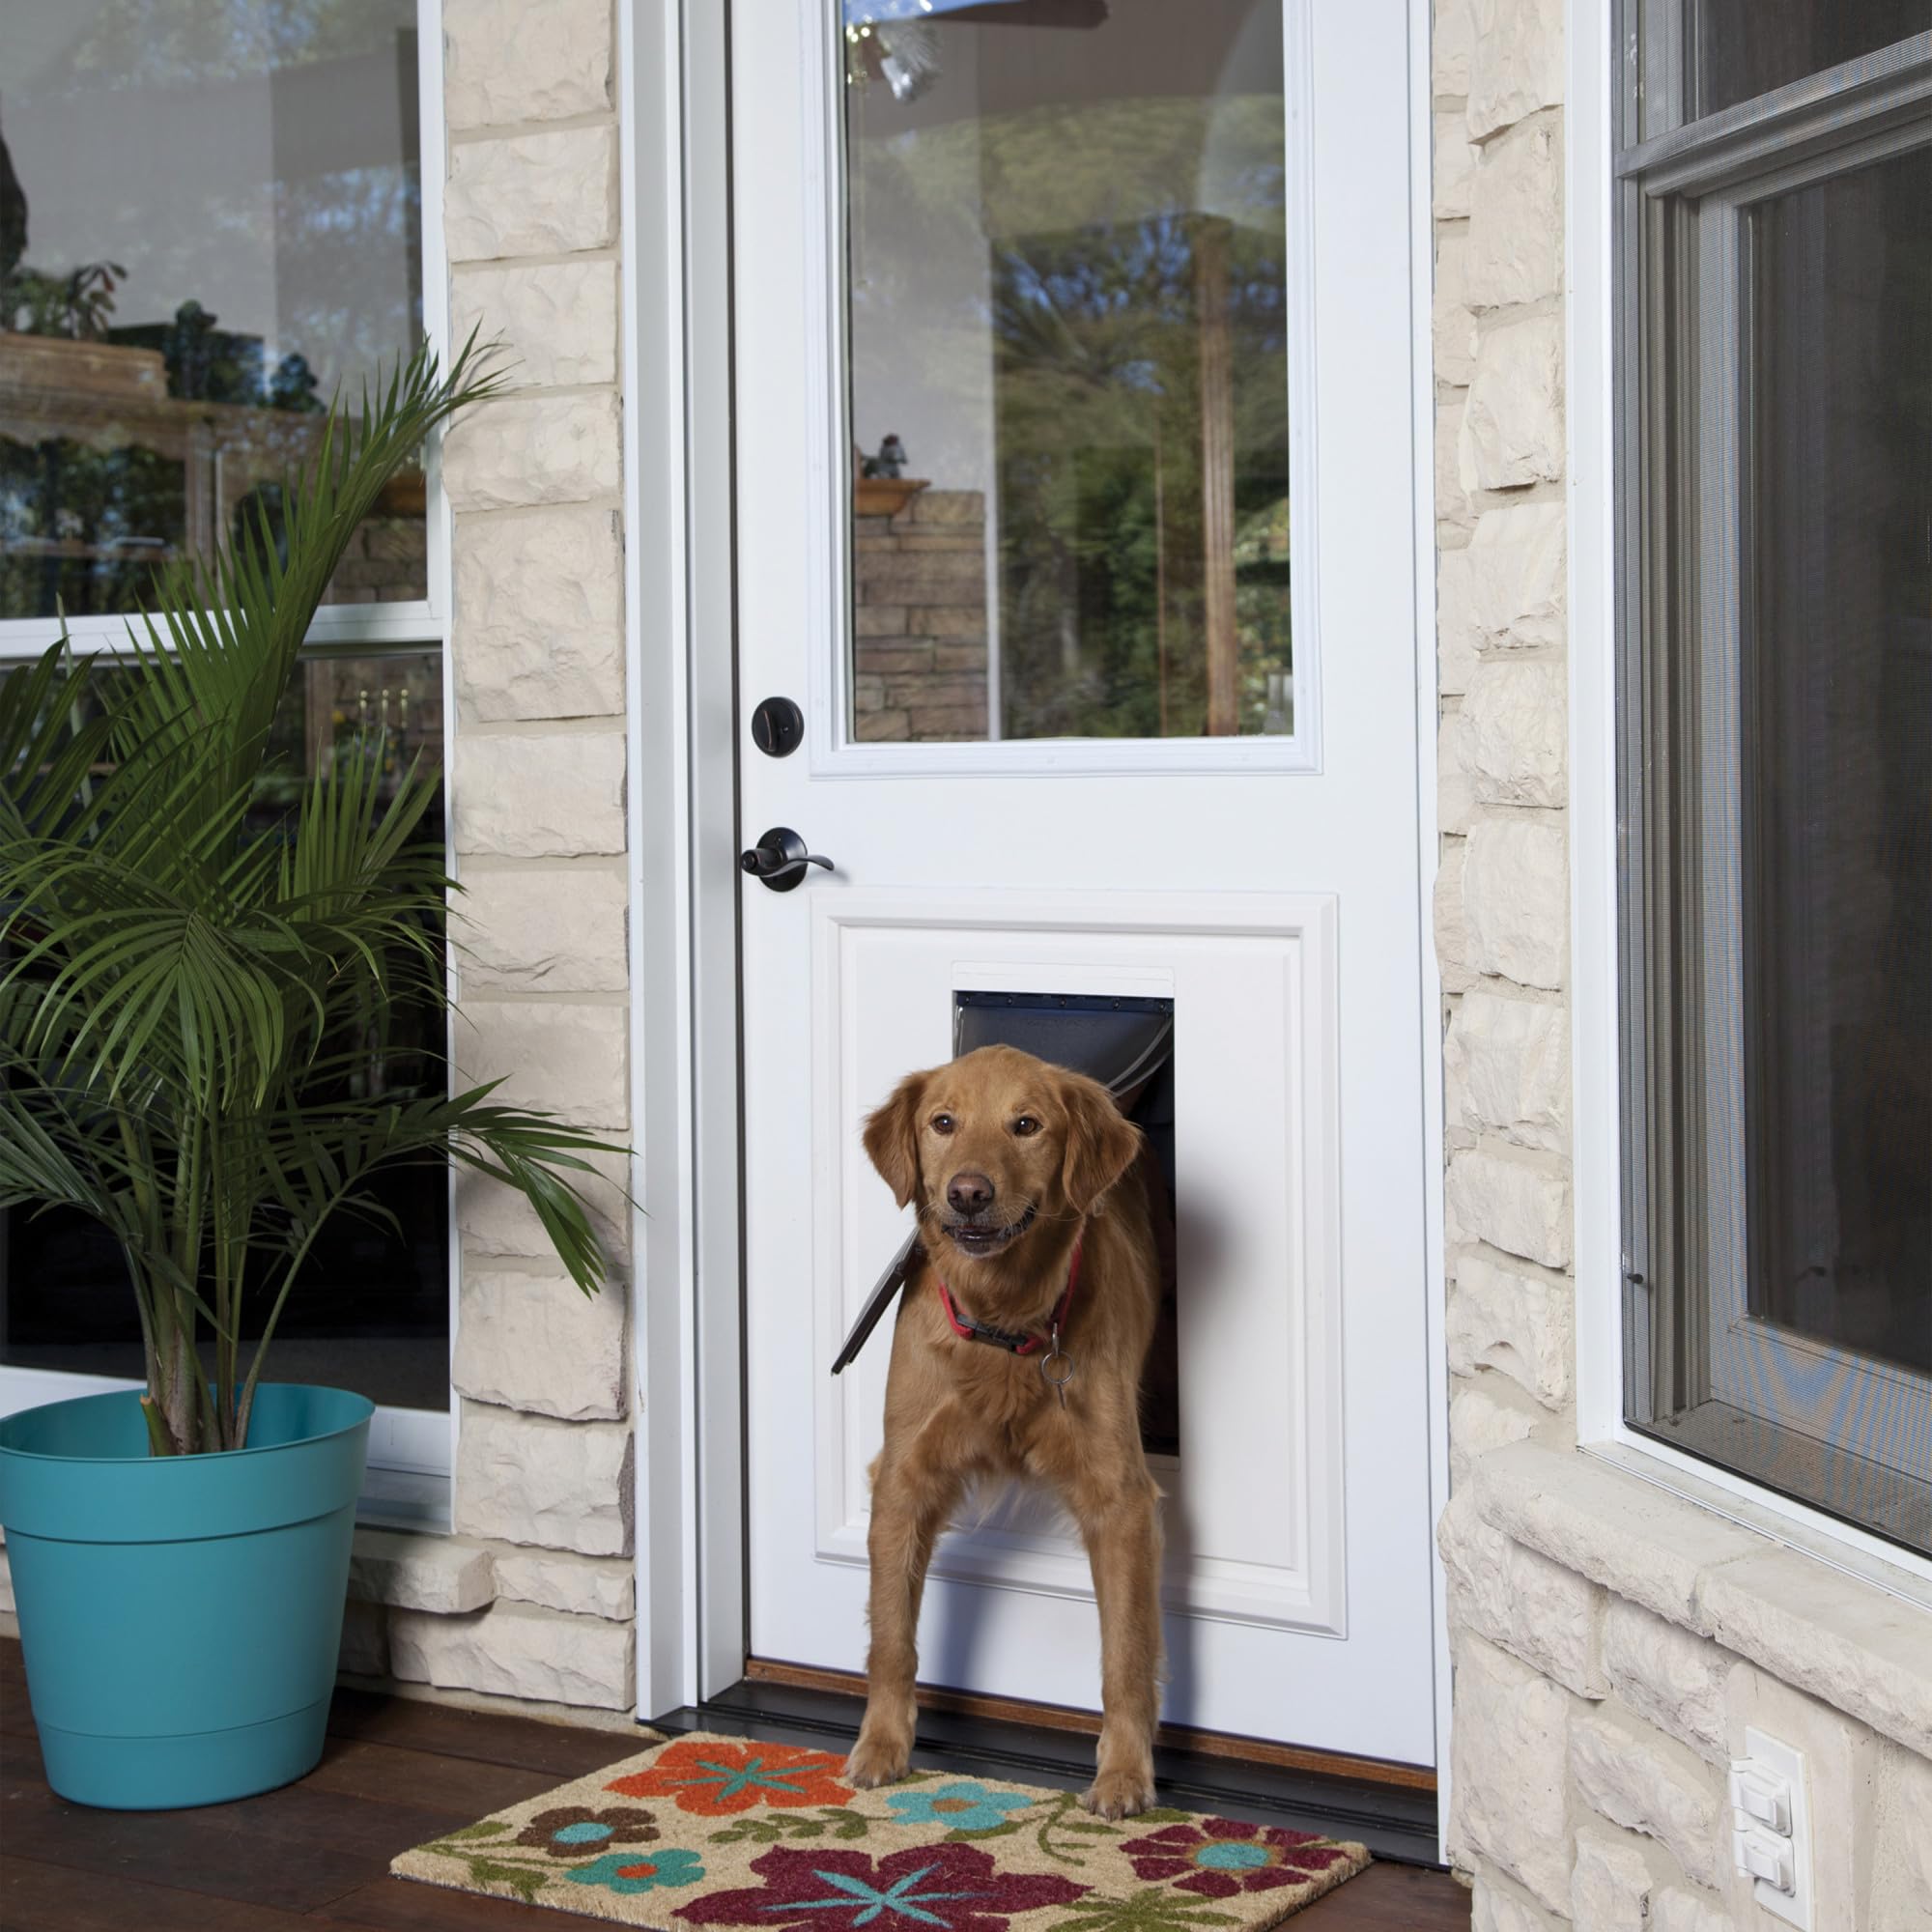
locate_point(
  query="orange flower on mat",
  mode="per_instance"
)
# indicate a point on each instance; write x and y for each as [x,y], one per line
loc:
[714,1778]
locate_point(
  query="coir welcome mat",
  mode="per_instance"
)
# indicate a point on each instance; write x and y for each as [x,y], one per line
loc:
[712,1831]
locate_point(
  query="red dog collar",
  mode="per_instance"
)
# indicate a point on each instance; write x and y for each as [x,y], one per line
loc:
[1021,1344]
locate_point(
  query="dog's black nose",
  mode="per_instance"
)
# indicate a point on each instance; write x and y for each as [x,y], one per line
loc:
[968,1193]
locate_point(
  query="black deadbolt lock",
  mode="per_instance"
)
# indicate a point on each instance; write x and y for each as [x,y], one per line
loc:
[778,728]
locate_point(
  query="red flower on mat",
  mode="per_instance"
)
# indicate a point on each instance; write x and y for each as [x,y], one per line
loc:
[930,1888]
[714,1778]
[1220,1856]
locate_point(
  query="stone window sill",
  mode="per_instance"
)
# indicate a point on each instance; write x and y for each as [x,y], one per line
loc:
[1863,1647]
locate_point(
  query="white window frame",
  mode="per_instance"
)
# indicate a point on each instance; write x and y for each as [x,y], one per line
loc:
[412,1451]
[1590,120]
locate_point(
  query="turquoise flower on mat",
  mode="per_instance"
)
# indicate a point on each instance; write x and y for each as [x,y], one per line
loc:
[636,1871]
[962,1807]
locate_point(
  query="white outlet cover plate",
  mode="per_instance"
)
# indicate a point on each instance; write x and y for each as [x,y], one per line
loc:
[1788,1764]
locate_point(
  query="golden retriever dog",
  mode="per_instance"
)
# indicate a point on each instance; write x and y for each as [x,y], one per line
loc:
[1017,1352]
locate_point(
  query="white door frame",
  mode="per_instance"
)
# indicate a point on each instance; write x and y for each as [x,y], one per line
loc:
[679,561]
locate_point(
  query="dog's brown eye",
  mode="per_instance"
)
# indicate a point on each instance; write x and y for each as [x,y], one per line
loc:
[1026,1124]
[942,1123]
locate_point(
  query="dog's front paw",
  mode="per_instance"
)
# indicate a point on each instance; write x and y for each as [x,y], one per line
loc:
[1119,1794]
[877,1760]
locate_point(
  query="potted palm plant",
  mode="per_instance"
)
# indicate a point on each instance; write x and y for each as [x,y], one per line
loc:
[183,990]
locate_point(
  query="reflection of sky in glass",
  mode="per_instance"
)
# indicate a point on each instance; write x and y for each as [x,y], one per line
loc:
[258,160]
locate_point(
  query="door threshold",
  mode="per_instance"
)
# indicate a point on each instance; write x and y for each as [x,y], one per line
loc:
[1395,1819]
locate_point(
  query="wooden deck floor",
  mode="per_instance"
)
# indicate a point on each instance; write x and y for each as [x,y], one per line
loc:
[395,1774]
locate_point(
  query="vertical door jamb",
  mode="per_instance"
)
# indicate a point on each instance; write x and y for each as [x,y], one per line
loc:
[681,810]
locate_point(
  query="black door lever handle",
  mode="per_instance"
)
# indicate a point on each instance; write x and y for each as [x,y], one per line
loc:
[779,858]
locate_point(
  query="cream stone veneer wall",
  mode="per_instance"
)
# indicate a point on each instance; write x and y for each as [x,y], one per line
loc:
[1610,1643]
[532,1595]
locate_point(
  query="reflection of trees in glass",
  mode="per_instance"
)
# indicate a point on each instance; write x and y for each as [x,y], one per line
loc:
[1097,386]
[98,520]
[173,43]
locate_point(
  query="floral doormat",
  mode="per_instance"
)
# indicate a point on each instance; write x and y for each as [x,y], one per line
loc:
[712,1831]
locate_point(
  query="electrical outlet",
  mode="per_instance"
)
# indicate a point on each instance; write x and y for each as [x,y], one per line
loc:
[1771,1817]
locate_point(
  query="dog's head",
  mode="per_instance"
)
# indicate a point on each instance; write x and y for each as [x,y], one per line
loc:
[995,1141]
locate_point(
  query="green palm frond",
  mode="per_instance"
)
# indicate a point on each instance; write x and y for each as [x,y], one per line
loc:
[182,988]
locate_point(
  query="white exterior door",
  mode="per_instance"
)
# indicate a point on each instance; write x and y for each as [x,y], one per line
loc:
[1121,701]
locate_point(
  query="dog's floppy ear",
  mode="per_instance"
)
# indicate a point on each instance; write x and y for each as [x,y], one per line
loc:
[891,1138]
[1100,1144]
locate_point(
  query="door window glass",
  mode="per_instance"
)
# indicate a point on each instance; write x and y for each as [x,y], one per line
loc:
[1066,258]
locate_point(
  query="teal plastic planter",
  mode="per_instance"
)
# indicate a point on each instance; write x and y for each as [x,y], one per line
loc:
[180,1615]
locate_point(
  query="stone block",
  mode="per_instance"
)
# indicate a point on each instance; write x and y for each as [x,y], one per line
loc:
[1481,1419]
[364,1649]
[1455,622]
[1860,1650]
[883,727]
[948,720]
[539,796]
[1514,1201]
[495,1219]
[1455,515]
[570,1061]
[532,194]
[894,659]
[1512,421]
[948,579]
[1494,1909]
[1509,1061]
[1504,1316]
[1516,217]
[1453,792]
[525,60]
[558,1485]
[1671,1676]
[1452,931]
[1453,167]
[1507,1751]
[1518,559]
[557,321]
[952,620]
[1636,1540]
[1901,1867]
[1536,1610]
[1673,1909]
[1516,62]
[412,1572]
[560,930]
[1646,1783]
[521,450]
[531,1340]
[539,614]
[1517,731]
[1452,327]
[590,1586]
[1610,1884]
[1454,31]
[1515,898]
[878,620]
[518,1650]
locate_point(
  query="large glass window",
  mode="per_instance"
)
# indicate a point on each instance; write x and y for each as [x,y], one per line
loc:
[370,1310]
[1778,758]
[1068,255]
[210,223]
